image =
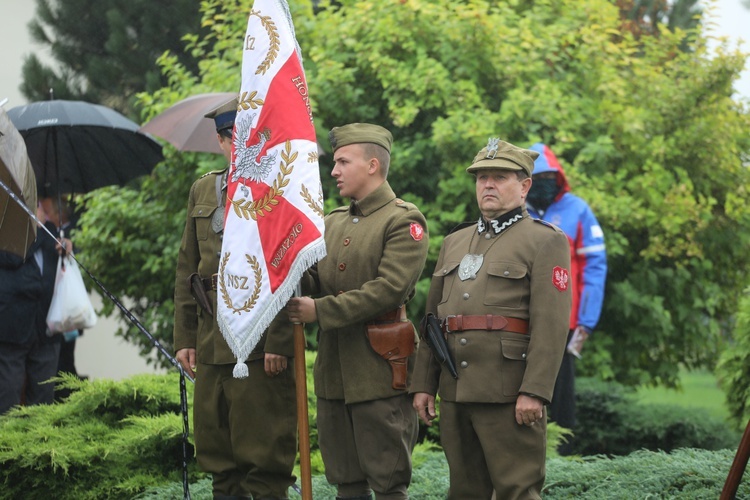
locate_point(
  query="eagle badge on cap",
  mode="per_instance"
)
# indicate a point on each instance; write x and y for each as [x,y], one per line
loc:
[492,144]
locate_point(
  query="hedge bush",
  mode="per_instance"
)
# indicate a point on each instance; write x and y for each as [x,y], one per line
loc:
[687,474]
[124,440]
[612,422]
[108,440]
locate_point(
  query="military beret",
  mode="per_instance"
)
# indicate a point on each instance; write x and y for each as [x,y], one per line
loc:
[224,115]
[358,133]
[500,154]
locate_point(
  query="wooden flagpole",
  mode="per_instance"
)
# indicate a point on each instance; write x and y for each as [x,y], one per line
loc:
[303,426]
[732,483]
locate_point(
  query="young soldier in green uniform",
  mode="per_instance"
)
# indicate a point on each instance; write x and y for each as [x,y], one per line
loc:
[500,288]
[245,429]
[376,248]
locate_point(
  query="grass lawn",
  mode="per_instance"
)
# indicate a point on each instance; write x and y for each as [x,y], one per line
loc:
[699,390]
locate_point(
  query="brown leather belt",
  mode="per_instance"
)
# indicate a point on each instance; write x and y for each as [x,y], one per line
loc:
[211,282]
[459,323]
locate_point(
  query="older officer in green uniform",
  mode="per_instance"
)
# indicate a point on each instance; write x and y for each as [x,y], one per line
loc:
[245,429]
[500,289]
[376,247]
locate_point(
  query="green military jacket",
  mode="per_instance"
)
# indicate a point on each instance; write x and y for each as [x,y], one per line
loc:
[521,277]
[376,249]
[199,252]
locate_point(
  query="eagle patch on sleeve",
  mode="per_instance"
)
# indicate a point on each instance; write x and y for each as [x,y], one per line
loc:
[416,231]
[560,278]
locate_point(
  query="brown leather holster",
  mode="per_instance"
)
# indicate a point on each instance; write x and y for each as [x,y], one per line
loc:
[392,337]
[198,291]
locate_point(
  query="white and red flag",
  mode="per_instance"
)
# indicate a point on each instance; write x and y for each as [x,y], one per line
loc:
[273,229]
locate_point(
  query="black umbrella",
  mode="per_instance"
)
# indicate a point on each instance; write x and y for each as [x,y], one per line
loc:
[76,147]
[435,340]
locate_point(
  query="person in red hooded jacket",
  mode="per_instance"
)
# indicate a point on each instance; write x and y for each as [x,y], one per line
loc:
[550,200]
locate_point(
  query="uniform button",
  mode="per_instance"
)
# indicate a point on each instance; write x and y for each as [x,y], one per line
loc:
[200,212]
[487,236]
[355,220]
[346,242]
[463,341]
[523,355]
[506,273]
[342,266]
[466,296]
[445,271]
[464,364]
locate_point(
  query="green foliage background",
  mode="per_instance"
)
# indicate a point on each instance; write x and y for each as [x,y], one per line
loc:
[104,51]
[733,370]
[647,133]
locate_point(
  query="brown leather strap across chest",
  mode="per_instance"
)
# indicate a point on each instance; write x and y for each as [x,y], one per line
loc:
[489,322]
[394,316]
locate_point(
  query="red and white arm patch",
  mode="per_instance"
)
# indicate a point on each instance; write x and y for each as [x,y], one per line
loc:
[560,278]
[416,231]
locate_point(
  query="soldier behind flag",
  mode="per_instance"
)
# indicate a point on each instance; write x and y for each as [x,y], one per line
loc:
[245,429]
[377,248]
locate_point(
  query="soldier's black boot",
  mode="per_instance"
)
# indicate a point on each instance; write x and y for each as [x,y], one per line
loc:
[360,497]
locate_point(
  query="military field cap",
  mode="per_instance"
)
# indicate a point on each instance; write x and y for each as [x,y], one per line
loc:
[500,154]
[223,116]
[358,133]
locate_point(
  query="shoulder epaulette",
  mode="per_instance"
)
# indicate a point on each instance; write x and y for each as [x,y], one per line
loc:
[213,172]
[403,204]
[344,208]
[548,224]
[461,226]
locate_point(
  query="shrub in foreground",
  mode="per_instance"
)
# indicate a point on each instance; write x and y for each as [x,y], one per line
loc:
[109,440]
[687,474]
[612,422]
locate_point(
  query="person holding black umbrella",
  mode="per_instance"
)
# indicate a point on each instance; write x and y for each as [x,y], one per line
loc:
[501,290]
[60,213]
[28,353]
[245,429]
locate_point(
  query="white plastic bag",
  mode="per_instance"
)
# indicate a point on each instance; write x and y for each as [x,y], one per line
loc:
[71,308]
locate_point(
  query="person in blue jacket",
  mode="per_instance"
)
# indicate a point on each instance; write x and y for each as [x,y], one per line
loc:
[550,200]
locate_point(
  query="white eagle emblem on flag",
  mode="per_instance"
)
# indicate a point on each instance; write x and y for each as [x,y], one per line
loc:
[247,164]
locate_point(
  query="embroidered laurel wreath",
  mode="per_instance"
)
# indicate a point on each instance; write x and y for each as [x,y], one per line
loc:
[248,101]
[253,208]
[273,41]
[315,207]
[249,303]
